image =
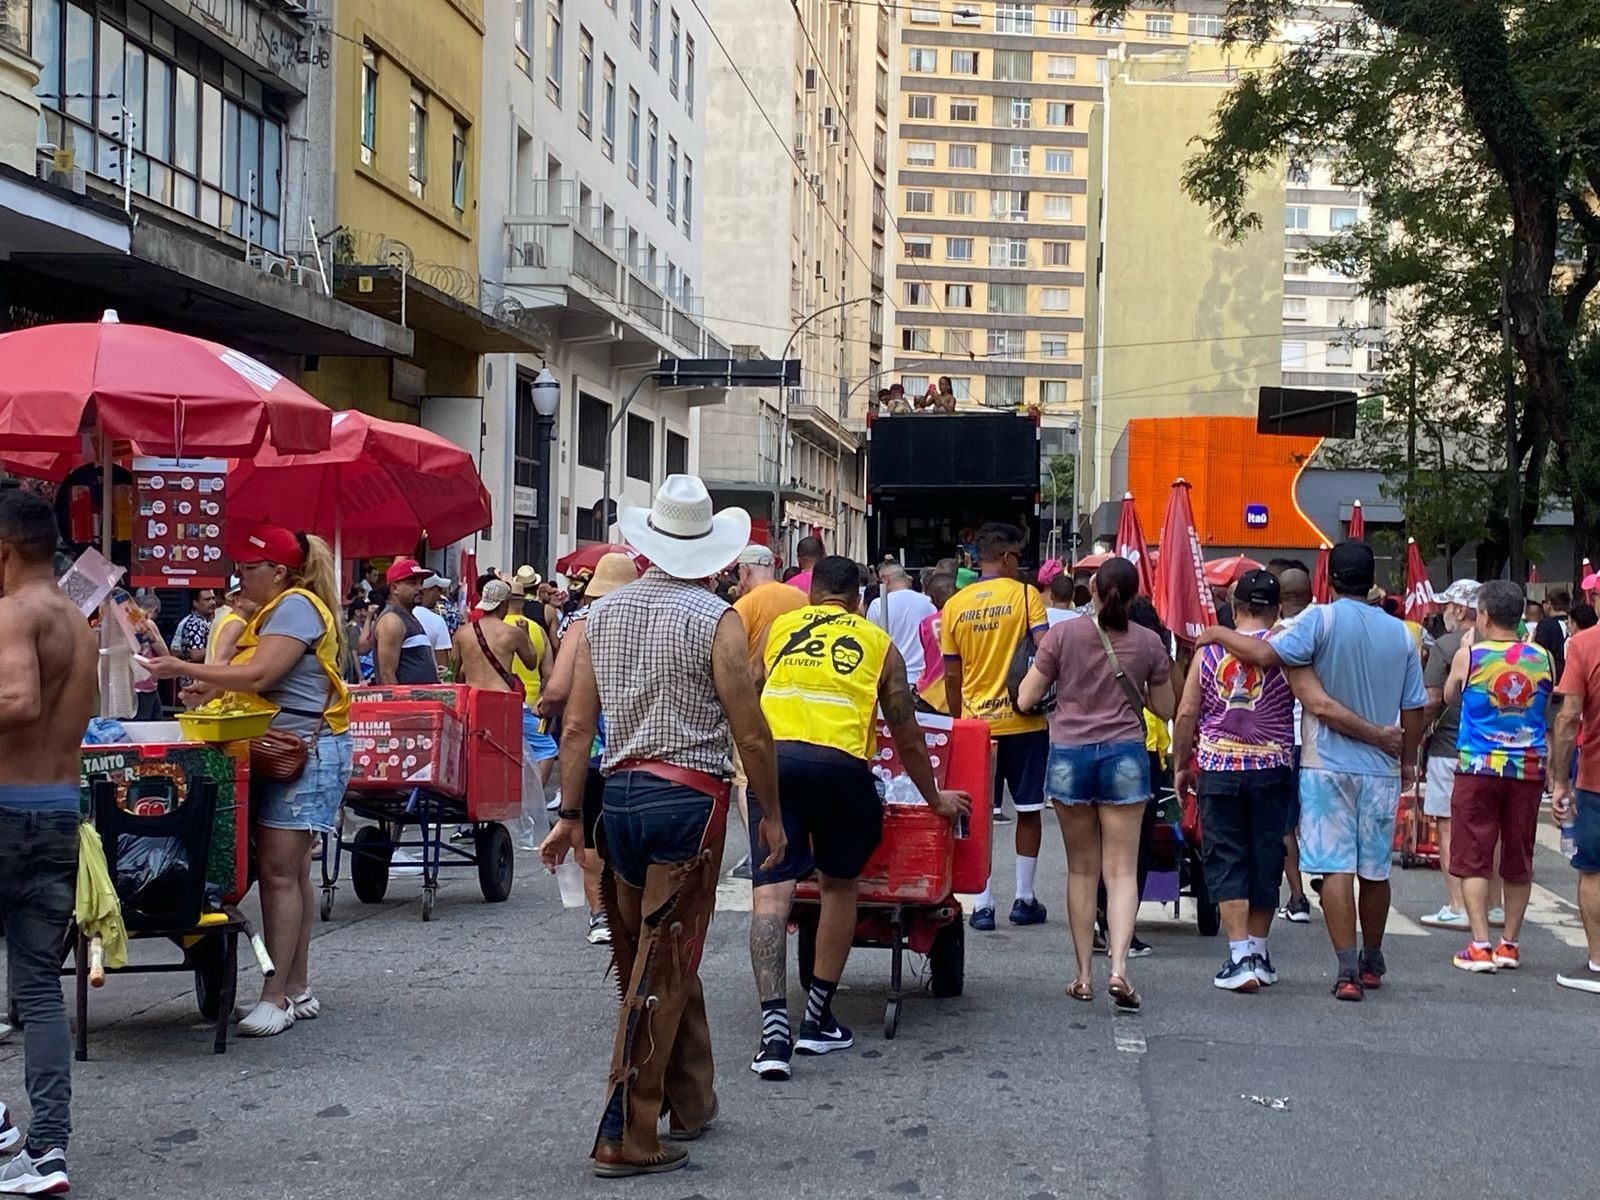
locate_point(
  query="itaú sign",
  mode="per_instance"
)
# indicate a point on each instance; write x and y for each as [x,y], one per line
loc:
[1255,516]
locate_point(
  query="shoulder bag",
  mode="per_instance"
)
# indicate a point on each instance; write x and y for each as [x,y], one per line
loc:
[1021,663]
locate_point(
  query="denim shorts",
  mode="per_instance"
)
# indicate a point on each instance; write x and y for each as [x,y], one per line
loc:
[1099,773]
[1587,831]
[649,820]
[1347,823]
[312,801]
[540,744]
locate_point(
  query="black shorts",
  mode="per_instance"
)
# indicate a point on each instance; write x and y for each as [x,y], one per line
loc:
[832,816]
[1019,763]
[1242,819]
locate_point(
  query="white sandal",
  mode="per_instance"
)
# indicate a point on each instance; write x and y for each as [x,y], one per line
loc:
[266,1020]
[306,1006]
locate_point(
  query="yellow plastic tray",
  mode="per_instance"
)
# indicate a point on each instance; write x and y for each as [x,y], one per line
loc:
[234,727]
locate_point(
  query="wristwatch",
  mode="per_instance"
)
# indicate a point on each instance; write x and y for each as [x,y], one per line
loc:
[570,814]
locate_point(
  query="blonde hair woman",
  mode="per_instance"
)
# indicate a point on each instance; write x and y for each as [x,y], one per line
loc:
[289,655]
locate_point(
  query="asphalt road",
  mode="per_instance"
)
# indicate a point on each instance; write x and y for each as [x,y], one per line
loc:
[466,1058]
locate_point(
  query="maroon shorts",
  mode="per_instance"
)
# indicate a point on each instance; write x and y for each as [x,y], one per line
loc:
[1485,809]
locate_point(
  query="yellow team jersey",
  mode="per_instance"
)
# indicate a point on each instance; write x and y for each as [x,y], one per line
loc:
[982,625]
[823,668]
[530,678]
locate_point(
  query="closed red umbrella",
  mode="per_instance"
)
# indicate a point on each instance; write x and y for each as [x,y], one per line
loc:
[1533,573]
[1358,522]
[1320,590]
[380,488]
[1225,572]
[1132,546]
[586,558]
[175,395]
[1182,596]
[1420,600]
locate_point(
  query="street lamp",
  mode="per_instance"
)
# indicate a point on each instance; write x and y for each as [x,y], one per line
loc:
[546,392]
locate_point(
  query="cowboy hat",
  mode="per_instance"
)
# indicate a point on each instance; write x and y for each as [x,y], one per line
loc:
[611,572]
[679,532]
[525,581]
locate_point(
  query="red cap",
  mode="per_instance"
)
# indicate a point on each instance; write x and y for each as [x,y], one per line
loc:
[268,543]
[403,569]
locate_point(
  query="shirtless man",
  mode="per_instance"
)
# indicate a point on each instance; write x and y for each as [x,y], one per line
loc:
[43,637]
[505,642]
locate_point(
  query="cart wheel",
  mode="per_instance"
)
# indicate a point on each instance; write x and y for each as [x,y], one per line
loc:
[427,904]
[369,864]
[327,903]
[806,952]
[947,960]
[209,964]
[1206,914]
[496,861]
[891,1020]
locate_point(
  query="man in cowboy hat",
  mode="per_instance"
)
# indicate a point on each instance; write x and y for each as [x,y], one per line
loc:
[667,661]
[529,587]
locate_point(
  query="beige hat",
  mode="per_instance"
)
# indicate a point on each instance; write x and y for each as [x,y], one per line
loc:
[525,581]
[614,570]
[495,593]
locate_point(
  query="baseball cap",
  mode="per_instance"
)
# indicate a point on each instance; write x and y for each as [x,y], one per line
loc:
[756,556]
[495,593]
[438,581]
[1352,567]
[1463,592]
[404,569]
[268,543]
[1257,586]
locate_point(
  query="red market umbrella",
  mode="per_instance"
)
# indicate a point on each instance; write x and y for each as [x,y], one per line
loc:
[1182,596]
[1358,522]
[1420,600]
[586,558]
[175,395]
[1225,572]
[1319,577]
[1132,546]
[1091,562]
[378,489]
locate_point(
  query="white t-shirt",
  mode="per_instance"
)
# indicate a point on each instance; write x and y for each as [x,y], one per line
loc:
[906,609]
[1057,615]
[434,626]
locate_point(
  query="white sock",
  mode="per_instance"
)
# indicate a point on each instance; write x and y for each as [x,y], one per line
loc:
[1025,868]
[1239,951]
[1594,966]
[1257,945]
[984,901]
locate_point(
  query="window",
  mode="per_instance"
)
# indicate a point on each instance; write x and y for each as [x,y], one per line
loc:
[1008,206]
[1063,20]
[1341,312]
[674,44]
[672,180]
[1296,216]
[594,422]
[1013,18]
[1340,219]
[915,385]
[1294,356]
[1053,345]
[958,249]
[585,80]
[552,50]
[963,110]
[524,30]
[916,339]
[655,34]
[924,12]
[1295,265]
[1013,65]
[961,387]
[919,247]
[1058,254]
[962,62]
[1052,391]
[1298,173]
[1013,114]
[633,136]
[1003,391]
[608,109]
[641,447]
[1057,207]
[458,167]
[1106,26]
[417,142]
[1294,308]
[919,108]
[652,160]
[918,295]
[918,201]
[1338,354]
[965,15]
[1008,298]
[1062,66]
[1204,26]
[635,20]
[963,156]
[958,295]
[688,194]
[958,341]
[922,61]
[1158,26]
[1058,114]
[1102,70]
[677,454]
[369,104]
[1005,343]
[919,154]
[1055,299]
[688,94]
[1008,252]
[961,204]
[1058,162]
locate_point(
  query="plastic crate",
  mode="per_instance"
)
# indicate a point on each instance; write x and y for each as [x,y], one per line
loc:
[401,744]
[493,755]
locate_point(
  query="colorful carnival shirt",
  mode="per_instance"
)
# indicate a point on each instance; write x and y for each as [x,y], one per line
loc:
[1503,710]
[1246,715]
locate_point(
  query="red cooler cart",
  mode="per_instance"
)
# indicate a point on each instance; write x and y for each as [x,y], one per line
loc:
[435,756]
[908,890]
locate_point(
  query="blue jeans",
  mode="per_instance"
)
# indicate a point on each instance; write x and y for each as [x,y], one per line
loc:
[1098,773]
[645,820]
[38,882]
[1587,859]
[312,801]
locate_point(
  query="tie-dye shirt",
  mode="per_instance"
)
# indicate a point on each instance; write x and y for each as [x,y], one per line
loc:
[1503,710]
[1246,715]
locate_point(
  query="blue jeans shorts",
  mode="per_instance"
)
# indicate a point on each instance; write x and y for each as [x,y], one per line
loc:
[312,801]
[540,744]
[1098,773]
[645,819]
[1587,859]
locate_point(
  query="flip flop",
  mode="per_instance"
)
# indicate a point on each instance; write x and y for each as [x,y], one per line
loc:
[1123,995]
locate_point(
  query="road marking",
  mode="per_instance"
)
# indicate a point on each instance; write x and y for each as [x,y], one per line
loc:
[733,895]
[1127,1032]
[1556,916]
[1401,925]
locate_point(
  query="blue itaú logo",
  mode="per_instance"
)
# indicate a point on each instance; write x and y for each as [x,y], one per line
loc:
[1255,516]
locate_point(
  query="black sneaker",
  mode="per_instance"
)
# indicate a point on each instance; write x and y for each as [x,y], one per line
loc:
[772,1060]
[1028,912]
[1138,949]
[1237,975]
[1297,910]
[1000,817]
[814,1039]
[1264,969]
[1099,940]
[982,919]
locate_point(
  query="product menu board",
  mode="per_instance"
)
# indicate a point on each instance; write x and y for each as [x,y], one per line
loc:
[178,522]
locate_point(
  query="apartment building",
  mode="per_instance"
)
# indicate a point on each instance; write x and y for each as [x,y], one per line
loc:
[787,269]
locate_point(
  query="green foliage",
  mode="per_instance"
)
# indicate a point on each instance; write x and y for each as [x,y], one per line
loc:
[1057,487]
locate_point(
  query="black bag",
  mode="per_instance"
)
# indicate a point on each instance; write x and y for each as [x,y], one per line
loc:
[158,863]
[1021,661]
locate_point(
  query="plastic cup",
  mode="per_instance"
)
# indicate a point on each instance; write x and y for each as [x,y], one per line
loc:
[569,878]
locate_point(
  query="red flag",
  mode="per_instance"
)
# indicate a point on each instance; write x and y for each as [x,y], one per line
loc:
[1358,522]
[1182,596]
[1533,573]
[1319,576]
[1132,546]
[1420,600]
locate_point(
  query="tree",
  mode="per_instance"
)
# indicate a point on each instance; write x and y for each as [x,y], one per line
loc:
[1476,127]
[1057,488]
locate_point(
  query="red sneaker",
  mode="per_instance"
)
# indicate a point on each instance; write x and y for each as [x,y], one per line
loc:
[1507,956]
[1476,958]
[1348,987]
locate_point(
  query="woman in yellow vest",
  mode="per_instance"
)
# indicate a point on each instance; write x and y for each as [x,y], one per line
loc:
[289,655]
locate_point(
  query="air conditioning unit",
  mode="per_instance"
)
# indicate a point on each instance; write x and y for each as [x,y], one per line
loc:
[802,144]
[811,79]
